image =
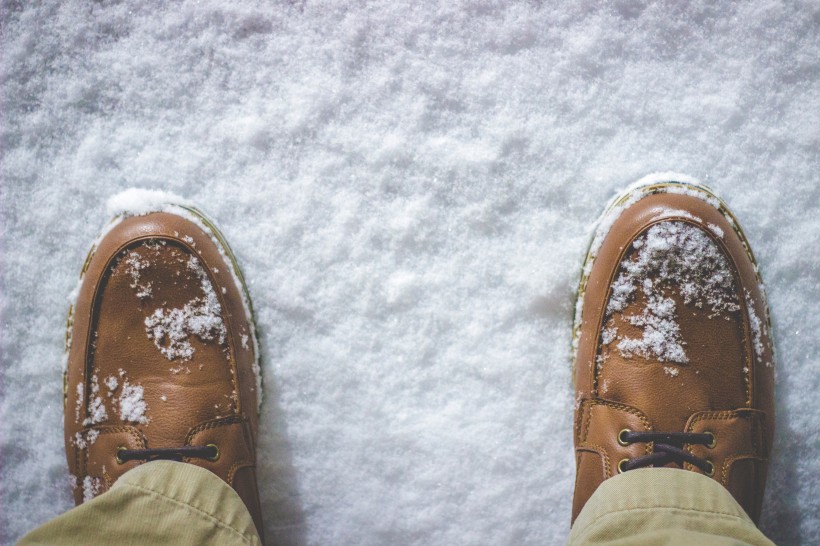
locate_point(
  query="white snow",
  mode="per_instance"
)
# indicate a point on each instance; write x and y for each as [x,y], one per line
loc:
[170,328]
[111,382]
[80,400]
[133,265]
[716,230]
[608,335]
[631,194]
[132,404]
[135,201]
[660,338]
[759,329]
[91,488]
[85,439]
[671,371]
[96,407]
[470,144]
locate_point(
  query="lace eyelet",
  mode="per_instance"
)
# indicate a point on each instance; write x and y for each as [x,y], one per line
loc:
[621,464]
[215,457]
[711,470]
[621,437]
[120,450]
[713,442]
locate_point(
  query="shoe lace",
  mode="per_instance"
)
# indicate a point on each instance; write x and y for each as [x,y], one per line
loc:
[210,452]
[668,448]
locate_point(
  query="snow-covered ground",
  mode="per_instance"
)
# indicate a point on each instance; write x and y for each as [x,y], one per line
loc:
[409,189]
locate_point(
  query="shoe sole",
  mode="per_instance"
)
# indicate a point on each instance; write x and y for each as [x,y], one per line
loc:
[225,250]
[635,192]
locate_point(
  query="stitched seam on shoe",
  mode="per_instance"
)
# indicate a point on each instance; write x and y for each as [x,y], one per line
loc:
[211,238]
[580,419]
[603,318]
[137,438]
[224,421]
[588,415]
[236,466]
[588,528]
[218,423]
[209,273]
[620,407]
[751,418]
[622,256]
[739,457]
[194,509]
[595,448]
[712,416]
[708,416]
[748,353]
[748,356]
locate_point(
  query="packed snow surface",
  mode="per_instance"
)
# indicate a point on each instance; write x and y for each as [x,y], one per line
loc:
[410,189]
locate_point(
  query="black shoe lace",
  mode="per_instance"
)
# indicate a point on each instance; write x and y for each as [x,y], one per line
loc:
[668,448]
[210,452]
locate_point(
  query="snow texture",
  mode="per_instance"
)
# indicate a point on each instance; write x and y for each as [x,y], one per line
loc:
[134,264]
[91,488]
[716,230]
[132,404]
[660,337]
[409,188]
[134,201]
[671,371]
[110,382]
[201,317]
[759,328]
[96,407]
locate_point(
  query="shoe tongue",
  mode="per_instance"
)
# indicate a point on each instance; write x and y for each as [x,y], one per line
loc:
[670,359]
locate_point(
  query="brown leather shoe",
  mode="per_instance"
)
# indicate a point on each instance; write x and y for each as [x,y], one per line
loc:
[673,358]
[162,354]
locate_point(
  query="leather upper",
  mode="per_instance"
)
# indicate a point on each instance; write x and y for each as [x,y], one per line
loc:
[722,381]
[161,355]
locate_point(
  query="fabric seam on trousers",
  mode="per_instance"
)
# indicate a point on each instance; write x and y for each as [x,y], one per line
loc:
[218,521]
[588,527]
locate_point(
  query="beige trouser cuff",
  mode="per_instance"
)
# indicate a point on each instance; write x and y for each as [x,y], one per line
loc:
[165,502]
[663,506]
[161,502]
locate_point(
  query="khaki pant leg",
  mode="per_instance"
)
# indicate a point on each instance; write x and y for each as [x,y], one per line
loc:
[161,502]
[663,506]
